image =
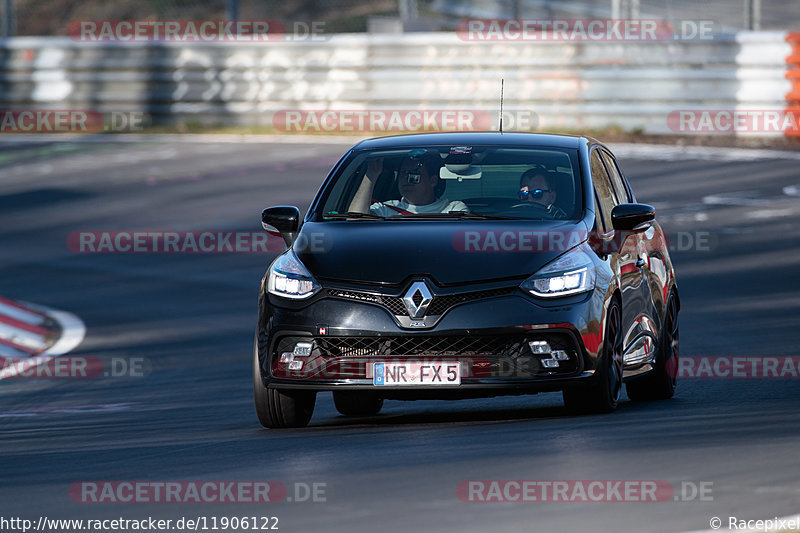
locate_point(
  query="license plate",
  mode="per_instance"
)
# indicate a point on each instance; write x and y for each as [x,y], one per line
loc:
[410,374]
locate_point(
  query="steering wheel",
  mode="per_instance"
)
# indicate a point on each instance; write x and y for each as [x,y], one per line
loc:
[532,205]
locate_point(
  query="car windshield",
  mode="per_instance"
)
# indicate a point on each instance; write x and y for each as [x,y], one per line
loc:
[475,182]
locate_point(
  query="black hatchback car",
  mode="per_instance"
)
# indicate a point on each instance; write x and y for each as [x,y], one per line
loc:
[459,265]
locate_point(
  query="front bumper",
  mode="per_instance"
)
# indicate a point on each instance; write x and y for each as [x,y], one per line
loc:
[488,337]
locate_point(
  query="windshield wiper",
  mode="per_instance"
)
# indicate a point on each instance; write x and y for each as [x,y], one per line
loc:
[352,214]
[478,216]
[455,215]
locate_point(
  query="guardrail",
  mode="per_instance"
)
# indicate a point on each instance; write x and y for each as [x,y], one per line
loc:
[568,85]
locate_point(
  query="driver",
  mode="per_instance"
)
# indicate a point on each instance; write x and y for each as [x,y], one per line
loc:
[538,186]
[418,183]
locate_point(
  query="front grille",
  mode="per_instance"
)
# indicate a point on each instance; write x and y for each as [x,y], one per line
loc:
[438,306]
[410,346]
[393,304]
[350,295]
[484,355]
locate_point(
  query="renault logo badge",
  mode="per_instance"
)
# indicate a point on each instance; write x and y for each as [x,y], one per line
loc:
[417,299]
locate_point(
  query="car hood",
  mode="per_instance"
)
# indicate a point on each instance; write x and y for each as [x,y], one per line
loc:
[449,252]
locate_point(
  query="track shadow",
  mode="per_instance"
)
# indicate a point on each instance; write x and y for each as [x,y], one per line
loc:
[444,416]
[39,198]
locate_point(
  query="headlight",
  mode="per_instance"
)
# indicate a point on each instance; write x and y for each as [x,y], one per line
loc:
[572,273]
[289,278]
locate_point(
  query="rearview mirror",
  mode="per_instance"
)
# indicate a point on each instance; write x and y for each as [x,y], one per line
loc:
[460,172]
[284,218]
[458,166]
[633,217]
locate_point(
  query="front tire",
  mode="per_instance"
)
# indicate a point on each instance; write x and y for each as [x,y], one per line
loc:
[660,384]
[281,408]
[353,403]
[603,395]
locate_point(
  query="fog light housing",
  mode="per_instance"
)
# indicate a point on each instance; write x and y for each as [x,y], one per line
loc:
[295,365]
[550,363]
[539,347]
[302,349]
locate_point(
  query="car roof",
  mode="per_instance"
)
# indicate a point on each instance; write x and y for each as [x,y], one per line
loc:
[551,140]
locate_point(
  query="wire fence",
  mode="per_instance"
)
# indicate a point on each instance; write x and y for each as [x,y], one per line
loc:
[52,17]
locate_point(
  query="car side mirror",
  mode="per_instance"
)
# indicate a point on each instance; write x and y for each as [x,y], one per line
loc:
[284,218]
[633,217]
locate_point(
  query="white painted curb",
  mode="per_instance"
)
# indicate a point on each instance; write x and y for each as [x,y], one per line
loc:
[73,331]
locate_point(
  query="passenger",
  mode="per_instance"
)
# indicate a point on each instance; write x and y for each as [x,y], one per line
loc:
[418,183]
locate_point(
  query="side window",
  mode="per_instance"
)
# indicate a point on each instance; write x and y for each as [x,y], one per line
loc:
[602,186]
[616,178]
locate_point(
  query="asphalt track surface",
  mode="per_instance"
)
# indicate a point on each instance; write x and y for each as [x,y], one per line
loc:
[191,317]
